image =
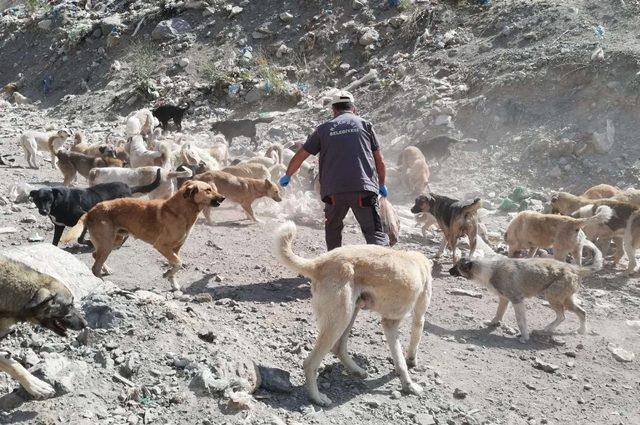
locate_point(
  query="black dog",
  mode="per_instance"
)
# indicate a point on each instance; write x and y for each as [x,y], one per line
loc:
[65,205]
[165,113]
[236,128]
[438,148]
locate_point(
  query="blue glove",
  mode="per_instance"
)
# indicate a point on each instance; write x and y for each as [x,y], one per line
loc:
[383,191]
[284,180]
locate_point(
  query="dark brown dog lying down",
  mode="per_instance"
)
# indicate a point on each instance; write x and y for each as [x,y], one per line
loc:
[165,224]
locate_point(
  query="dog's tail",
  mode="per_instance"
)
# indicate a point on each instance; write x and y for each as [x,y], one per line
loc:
[597,259]
[149,187]
[472,207]
[602,215]
[184,174]
[76,230]
[274,151]
[284,236]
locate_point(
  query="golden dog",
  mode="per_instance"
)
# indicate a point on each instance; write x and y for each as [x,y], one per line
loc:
[165,224]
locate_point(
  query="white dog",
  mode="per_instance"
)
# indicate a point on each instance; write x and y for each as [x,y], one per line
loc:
[34,141]
[139,177]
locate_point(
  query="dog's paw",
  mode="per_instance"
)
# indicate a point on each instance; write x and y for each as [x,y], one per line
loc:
[411,362]
[38,388]
[491,323]
[106,271]
[412,388]
[321,399]
[524,339]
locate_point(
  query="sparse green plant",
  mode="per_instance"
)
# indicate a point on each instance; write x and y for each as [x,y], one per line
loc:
[270,74]
[405,5]
[32,6]
[142,66]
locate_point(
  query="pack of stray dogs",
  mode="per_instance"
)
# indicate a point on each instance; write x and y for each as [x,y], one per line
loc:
[154,189]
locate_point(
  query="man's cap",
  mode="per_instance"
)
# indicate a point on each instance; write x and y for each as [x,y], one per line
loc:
[342,96]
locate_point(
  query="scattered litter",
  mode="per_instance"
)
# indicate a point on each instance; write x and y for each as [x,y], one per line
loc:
[460,291]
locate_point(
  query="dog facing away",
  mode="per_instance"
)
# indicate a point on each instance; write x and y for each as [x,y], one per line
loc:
[164,224]
[34,141]
[165,113]
[532,230]
[249,170]
[360,277]
[514,280]
[64,206]
[455,219]
[237,128]
[241,190]
[30,296]
[140,156]
[415,170]
[219,149]
[72,163]
[141,176]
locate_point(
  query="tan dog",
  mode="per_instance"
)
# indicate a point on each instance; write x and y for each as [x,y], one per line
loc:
[416,170]
[601,191]
[531,230]
[80,145]
[249,170]
[30,296]
[34,141]
[71,163]
[240,190]
[163,224]
[514,280]
[390,282]
[632,240]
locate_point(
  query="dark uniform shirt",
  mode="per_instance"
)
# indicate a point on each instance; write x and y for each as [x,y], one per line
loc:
[346,145]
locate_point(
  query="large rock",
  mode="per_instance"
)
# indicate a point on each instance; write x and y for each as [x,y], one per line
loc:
[60,372]
[51,260]
[170,28]
[370,36]
[274,379]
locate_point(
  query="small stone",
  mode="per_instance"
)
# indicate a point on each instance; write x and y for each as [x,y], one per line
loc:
[29,219]
[202,298]
[286,17]
[395,395]
[183,62]
[620,354]
[374,404]
[459,394]
[424,419]
[235,11]
[544,366]
[369,37]
[274,379]
[45,24]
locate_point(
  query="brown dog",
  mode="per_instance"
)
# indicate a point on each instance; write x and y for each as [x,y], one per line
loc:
[165,224]
[240,190]
[71,163]
[455,219]
[601,191]
[532,230]
[80,145]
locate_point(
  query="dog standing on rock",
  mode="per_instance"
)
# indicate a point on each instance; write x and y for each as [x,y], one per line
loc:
[360,277]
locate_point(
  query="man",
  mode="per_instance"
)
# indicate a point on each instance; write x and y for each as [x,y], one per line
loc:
[352,171]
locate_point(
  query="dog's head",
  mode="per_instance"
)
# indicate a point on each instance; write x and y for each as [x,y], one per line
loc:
[64,134]
[462,268]
[202,193]
[54,311]
[422,204]
[107,151]
[45,198]
[273,191]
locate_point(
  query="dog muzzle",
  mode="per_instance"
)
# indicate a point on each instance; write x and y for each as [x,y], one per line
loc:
[215,202]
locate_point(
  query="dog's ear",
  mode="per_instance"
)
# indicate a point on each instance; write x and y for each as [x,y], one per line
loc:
[57,193]
[190,191]
[41,297]
[33,194]
[102,149]
[465,265]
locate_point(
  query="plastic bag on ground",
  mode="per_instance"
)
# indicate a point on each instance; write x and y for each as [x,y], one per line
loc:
[390,221]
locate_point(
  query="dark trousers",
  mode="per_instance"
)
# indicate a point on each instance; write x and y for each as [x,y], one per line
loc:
[366,210]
